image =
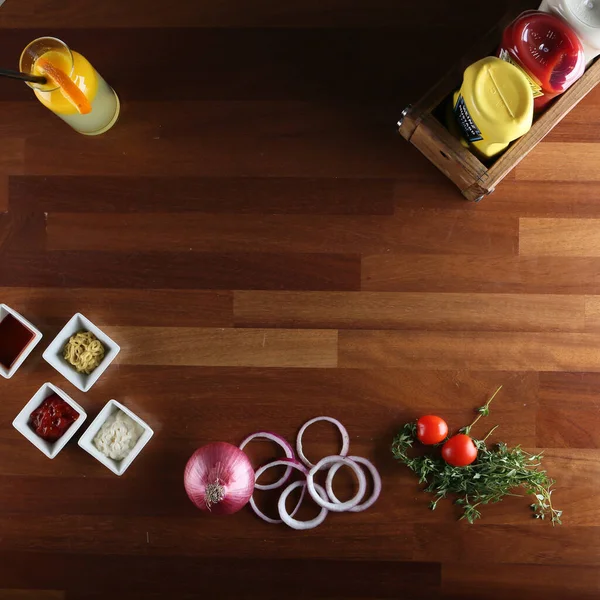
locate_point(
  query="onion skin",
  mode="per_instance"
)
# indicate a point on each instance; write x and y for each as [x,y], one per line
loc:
[219,478]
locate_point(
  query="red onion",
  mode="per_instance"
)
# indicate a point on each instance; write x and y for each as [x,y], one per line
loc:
[261,514]
[290,463]
[219,477]
[284,445]
[326,499]
[289,519]
[343,432]
[337,506]
[374,474]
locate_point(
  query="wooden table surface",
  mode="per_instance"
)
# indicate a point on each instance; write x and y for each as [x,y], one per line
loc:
[266,248]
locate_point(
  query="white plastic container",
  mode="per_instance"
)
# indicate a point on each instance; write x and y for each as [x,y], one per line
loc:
[54,353]
[584,18]
[118,467]
[8,371]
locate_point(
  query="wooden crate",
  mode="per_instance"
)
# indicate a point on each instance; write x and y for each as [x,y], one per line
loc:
[475,179]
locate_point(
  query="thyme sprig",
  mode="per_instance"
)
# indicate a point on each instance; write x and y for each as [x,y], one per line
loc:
[498,472]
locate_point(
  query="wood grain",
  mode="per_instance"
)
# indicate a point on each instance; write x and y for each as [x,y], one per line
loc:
[579,124]
[454,350]
[31,595]
[204,194]
[571,399]
[249,233]
[332,13]
[266,249]
[3,194]
[553,547]
[226,347]
[592,313]
[564,161]
[559,237]
[382,310]
[181,270]
[506,580]
[252,574]
[474,274]
[279,64]
[191,308]
[538,199]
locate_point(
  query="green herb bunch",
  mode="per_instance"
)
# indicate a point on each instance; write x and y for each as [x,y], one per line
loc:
[497,472]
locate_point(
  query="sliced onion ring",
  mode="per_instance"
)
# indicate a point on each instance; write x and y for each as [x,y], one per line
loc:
[337,506]
[342,429]
[374,474]
[294,523]
[264,517]
[291,464]
[284,445]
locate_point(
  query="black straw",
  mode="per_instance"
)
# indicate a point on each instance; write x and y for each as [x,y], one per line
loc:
[23,76]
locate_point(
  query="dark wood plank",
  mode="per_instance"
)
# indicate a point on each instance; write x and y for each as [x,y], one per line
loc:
[247,148]
[3,194]
[447,233]
[202,194]
[178,536]
[184,308]
[537,543]
[5,224]
[13,154]
[500,581]
[32,595]
[255,63]
[189,270]
[332,13]
[233,138]
[245,577]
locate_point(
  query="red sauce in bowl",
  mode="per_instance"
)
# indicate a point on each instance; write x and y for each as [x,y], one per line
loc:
[14,338]
[52,418]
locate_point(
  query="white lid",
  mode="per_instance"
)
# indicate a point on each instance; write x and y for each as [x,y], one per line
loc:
[584,17]
[587,11]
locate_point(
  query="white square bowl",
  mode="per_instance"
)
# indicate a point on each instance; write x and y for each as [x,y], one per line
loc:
[86,441]
[54,352]
[21,422]
[37,336]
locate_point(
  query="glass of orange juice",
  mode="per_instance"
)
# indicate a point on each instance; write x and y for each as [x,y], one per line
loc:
[74,90]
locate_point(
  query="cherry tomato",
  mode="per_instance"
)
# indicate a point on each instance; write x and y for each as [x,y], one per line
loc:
[459,450]
[431,429]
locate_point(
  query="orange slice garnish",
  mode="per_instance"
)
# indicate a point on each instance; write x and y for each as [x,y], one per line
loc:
[70,91]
